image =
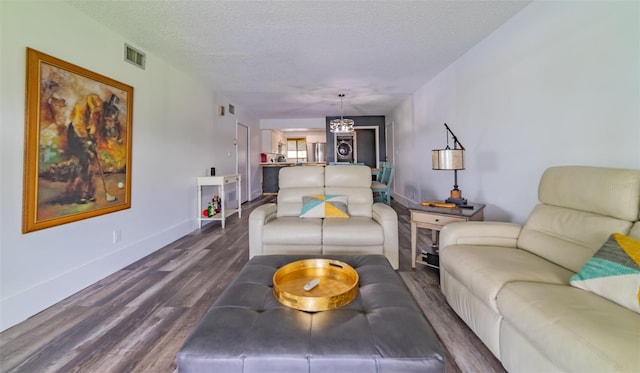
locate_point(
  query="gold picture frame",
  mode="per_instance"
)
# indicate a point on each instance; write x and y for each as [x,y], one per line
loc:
[77,158]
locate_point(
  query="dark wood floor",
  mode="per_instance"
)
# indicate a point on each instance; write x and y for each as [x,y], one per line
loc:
[138,318]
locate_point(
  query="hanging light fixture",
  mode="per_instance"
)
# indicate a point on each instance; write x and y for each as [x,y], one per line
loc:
[341,125]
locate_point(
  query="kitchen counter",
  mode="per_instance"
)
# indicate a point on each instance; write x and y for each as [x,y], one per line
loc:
[285,164]
[271,171]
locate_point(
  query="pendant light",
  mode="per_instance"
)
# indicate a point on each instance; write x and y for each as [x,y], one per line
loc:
[341,125]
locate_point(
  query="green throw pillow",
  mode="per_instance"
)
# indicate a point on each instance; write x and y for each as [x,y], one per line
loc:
[324,206]
[613,272]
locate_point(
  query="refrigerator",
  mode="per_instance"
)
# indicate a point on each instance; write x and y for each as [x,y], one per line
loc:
[317,152]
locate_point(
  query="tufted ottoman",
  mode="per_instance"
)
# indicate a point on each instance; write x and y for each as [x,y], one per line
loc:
[248,330]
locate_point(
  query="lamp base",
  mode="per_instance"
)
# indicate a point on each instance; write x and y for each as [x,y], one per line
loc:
[457,201]
[456,197]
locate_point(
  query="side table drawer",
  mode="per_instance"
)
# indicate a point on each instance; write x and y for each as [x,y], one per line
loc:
[435,219]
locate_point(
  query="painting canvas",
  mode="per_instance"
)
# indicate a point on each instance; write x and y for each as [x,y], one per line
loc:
[77,161]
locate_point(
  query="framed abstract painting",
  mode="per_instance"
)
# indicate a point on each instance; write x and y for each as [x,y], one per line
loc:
[77,159]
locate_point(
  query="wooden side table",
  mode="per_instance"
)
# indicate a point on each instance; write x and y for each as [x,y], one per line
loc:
[435,218]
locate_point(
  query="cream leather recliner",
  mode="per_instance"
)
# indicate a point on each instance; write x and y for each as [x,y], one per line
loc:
[511,283]
[372,228]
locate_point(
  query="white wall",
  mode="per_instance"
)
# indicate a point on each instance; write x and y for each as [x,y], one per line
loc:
[557,84]
[177,135]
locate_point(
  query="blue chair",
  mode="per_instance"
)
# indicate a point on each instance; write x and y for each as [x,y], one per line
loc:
[382,187]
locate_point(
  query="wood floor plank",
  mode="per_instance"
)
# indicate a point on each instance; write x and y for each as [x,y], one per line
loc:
[471,353]
[161,358]
[97,322]
[137,319]
[128,349]
[172,282]
[17,349]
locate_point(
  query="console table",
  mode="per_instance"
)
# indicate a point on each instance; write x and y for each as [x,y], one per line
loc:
[220,182]
[435,218]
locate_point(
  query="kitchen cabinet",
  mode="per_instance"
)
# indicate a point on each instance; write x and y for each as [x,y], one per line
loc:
[273,141]
[265,141]
[270,177]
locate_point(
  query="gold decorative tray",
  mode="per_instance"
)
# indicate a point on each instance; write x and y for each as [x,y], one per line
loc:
[338,284]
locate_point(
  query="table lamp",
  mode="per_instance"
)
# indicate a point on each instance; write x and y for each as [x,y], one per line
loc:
[450,159]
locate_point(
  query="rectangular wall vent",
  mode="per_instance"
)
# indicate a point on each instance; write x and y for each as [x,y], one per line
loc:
[134,56]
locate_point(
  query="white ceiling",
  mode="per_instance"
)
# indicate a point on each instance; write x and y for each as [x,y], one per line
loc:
[291,59]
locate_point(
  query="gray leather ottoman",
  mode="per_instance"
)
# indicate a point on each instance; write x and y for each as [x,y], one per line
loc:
[248,330]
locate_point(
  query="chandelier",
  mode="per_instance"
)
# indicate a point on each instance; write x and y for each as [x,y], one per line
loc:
[341,125]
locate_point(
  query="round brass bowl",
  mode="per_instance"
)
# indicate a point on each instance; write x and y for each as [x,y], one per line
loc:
[338,284]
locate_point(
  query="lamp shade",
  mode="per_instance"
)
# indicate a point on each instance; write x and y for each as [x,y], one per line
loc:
[447,159]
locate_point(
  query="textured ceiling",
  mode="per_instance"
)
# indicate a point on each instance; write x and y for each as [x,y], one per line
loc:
[291,59]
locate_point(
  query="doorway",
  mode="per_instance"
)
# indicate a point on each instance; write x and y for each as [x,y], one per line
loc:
[242,159]
[368,148]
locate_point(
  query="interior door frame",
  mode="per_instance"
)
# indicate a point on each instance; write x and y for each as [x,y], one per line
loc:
[389,141]
[245,181]
[390,148]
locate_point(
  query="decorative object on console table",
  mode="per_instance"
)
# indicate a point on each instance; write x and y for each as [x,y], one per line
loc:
[223,211]
[430,217]
[450,159]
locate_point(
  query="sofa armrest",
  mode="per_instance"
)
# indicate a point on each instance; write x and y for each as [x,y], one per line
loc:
[388,219]
[480,233]
[260,216]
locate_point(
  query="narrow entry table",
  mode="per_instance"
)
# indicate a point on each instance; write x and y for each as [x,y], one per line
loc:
[220,182]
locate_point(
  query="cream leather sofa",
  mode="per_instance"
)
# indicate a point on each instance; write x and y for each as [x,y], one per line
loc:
[510,283]
[372,228]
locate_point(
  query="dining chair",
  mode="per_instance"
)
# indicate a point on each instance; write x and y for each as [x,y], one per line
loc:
[382,187]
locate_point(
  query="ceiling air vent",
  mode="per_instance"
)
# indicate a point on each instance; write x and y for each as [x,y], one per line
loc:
[134,56]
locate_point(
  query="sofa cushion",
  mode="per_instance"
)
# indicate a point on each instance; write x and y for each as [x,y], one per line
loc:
[324,206]
[567,237]
[484,270]
[356,231]
[611,192]
[354,182]
[580,207]
[289,230]
[577,330]
[614,272]
[296,182]
[635,231]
